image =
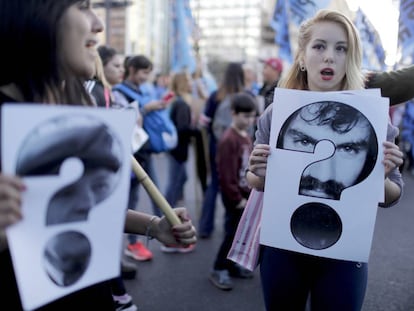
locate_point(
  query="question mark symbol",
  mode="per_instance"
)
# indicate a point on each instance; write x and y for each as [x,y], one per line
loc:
[87,150]
[355,148]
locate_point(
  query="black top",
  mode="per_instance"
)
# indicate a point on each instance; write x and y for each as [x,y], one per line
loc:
[181,116]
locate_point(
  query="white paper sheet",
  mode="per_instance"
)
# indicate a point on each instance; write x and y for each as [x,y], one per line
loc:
[96,231]
[308,222]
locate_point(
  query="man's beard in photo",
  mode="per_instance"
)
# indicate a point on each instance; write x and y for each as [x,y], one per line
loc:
[331,188]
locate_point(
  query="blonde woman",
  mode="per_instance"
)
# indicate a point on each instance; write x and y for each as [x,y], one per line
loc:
[328,59]
[180,113]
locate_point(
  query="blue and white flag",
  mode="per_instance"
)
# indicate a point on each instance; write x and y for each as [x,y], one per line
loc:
[406,32]
[373,51]
[280,24]
[183,24]
[300,10]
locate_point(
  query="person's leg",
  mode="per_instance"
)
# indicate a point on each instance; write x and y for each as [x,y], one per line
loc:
[231,221]
[135,248]
[206,222]
[122,300]
[150,170]
[132,205]
[285,279]
[177,176]
[340,285]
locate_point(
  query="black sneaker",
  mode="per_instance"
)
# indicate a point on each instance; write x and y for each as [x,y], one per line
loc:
[221,279]
[124,303]
[128,270]
[240,272]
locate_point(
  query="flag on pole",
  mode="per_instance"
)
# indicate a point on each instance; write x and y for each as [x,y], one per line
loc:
[183,24]
[280,24]
[373,52]
[406,32]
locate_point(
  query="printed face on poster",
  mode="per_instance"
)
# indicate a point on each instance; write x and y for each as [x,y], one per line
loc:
[325,175]
[75,162]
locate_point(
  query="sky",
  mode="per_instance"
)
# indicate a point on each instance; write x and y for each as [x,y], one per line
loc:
[383,14]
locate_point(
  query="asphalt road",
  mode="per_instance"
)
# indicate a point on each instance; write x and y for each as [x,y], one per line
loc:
[179,282]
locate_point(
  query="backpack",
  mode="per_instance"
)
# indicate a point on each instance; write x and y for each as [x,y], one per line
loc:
[222,117]
[161,131]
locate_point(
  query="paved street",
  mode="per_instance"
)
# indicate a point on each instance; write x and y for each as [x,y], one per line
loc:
[179,282]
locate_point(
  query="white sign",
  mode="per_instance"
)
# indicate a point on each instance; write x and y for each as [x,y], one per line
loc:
[325,175]
[76,164]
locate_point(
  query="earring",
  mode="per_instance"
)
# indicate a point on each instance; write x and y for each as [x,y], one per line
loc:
[302,68]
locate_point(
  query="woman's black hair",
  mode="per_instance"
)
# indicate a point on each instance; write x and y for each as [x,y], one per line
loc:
[233,80]
[29,32]
[137,62]
[106,53]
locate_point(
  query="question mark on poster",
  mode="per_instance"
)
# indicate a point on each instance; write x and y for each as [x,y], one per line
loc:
[352,158]
[86,153]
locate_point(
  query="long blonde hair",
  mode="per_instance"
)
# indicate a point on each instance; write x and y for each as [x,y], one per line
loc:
[353,79]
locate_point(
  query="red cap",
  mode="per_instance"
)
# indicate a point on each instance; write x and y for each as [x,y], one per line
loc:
[275,63]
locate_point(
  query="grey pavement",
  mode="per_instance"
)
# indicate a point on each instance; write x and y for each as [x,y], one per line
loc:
[179,282]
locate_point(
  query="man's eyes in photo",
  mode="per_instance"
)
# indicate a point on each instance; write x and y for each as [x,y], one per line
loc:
[352,148]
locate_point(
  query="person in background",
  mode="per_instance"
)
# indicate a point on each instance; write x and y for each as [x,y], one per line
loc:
[272,72]
[161,85]
[137,72]
[64,35]
[250,78]
[180,112]
[233,82]
[110,71]
[328,41]
[233,152]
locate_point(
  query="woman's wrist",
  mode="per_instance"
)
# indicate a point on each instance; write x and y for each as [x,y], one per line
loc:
[152,229]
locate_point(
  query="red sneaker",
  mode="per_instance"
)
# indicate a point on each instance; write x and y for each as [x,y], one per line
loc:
[138,251]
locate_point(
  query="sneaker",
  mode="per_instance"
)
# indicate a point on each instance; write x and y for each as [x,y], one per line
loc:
[124,303]
[240,272]
[138,252]
[128,270]
[177,248]
[221,279]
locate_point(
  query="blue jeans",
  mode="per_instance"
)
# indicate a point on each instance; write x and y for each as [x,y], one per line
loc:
[177,176]
[206,222]
[288,278]
[148,167]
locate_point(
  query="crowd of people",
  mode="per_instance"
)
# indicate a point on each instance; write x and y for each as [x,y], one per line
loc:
[228,126]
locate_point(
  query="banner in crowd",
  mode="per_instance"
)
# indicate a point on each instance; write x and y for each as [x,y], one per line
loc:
[406,32]
[289,14]
[183,26]
[280,24]
[373,51]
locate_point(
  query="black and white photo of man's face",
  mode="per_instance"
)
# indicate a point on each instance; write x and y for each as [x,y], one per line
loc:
[347,129]
[93,150]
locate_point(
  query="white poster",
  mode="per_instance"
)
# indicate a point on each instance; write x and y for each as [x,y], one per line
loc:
[76,164]
[325,175]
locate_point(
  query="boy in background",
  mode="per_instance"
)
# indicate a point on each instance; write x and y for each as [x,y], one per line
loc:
[232,159]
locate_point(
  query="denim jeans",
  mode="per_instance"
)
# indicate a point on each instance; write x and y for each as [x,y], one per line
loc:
[289,277]
[206,222]
[148,167]
[177,176]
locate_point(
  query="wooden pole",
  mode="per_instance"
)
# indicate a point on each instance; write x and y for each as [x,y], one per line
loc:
[154,193]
